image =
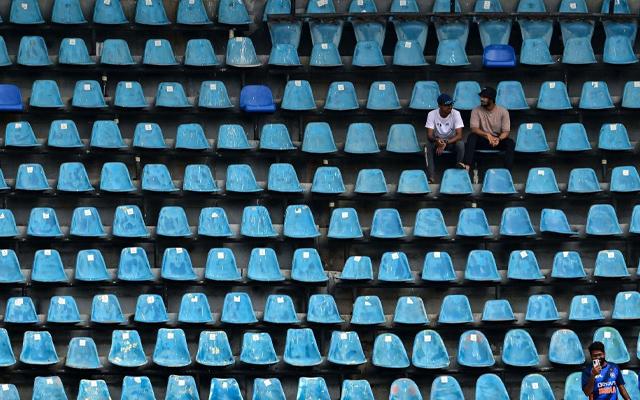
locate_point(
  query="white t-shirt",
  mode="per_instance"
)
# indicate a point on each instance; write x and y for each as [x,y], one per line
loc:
[444,128]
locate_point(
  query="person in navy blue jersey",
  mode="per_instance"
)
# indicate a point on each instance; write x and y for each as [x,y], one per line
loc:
[602,380]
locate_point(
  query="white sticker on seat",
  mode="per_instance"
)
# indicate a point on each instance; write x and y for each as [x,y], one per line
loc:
[238,39]
[298,210]
[87,87]
[473,337]
[279,299]
[262,252]
[407,45]
[297,83]
[529,126]
[24,6]
[19,302]
[105,299]
[610,254]
[572,6]
[213,86]
[214,215]
[63,126]
[267,382]
[129,211]
[181,382]
[534,385]
[436,254]
[29,170]
[133,250]
[128,85]
[151,300]
[394,256]
[87,212]
[409,301]
[49,381]
[4,252]
[305,254]
[636,84]
[179,250]
[45,215]
[82,343]
[107,2]
[192,2]
[627,296]
[403,3]
[18,125]
[36,337]
[552,85]
[625,172]
[523,254]
[541,172]
[366,303]
[220,255]
[382,86]
[90,257]
[607,335]
[47,252]
[236,299]
[340,88]
[387,339]
[565,254]
[355,258]
[72,42]
[149,2]
[324,46]
[170,335]
[594,84]
[613,127]
[62,301]
[137,379]
[5,387]
[169,89]
[343,336]
[255,337]
[444,379]
[584,300]
[427,338]
[194,299]
[212,336]
[345,215]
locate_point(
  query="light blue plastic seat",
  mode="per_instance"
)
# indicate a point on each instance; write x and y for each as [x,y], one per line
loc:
[194,309]
[285,38]
[90,266]
[172,222]
[257,349]
[225,389]
[412,38]
[446,388]
[38,349]
[345,349]
[531,139]
[410,310]
[518,349]
[318,138]
[237,309]
[221,266]
[256,222]
[214,349]
[474,350]
[516,222]
[362,6]
[10,392]
[626,306]
[481,266]
[213,222]
[299,223]
[20,134]
[425,94]
[171,95]
[456,182]
[191,137]
[63,133]
[48,387]
[86,222]
[151,12]
[176,265]
[452,37]
[455,309]
[115,51]
[367,310]
[356,389]
[357,268]
[323,309]
[541,308]
[275,137]
[105,134]
[394,267]
[7,358]
[263,266]
[631,382]
[279,309]
[493,32]
[298,96]
[618,50]
[327,180]
[490,386]
[115,178]
[4,53]
[565,348]
[45,94]
[402,139]
[233,12]
[181,387]
[573,387]
[583,180]
[555,221]
[31,177]
[576,38]
[20,310]
[268,389]
[553,96]
[383,96]
[595,96]
[72,177]
[371,181]
[325,37]
[619,7]
[523,265]
[610,264]
[43,222]
[33,51]
[404,388]
[128,222]
[301,349]
[283,178]
[232,137]
[413,181]
[404,6]
[497,311]
[73,51]
[389,352]
[614,137]
[126,349]
[148,136]
[307,266]
[361,139]
[93,389]
[498,181]
[430,223]
[386,224]
[82,353]
[3,183]
[602,221]
[241,53]
[369,40]
[535,50]
[536,386]
[192,12]
[472,222]
[634,223]
[109,13]
[631,95]
[171,349]
[129,95]
[541,180]
[8,226]
[624,180]
[312,388]
[134,265]
[326,7]
[511,96]
[585,308]
[213,94]
[25,12]
[438,267]
[341,96]
[240,179]
[429,351]
[9,265]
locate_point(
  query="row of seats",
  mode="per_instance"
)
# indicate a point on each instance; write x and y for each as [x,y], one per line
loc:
[322,309]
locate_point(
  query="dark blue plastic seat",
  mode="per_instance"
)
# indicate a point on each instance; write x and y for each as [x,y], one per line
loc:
[10,98]
[257,99]
[499,56]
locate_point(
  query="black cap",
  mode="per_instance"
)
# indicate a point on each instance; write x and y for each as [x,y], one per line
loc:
[445,100]
[488,92]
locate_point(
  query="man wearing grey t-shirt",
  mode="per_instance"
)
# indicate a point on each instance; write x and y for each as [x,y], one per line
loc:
[444,132]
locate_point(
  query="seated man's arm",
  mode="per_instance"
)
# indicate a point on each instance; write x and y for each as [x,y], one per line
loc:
[457,137]
[474,124]
[505,127]
[587,384]
[430,135]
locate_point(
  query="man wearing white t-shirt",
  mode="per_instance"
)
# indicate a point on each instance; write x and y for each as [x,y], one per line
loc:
[444,132]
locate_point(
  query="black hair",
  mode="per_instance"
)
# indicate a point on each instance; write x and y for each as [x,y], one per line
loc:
[596,346]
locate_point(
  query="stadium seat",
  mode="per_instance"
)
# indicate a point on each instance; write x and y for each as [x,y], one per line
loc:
[481,266]
[307,266]
[602,220]
[82,353]
[93,389]
[129,95]
[341,96]
[126,349]
[389,352]
[438,267]
[213,222]
[194,309]
[191,137]
[371,181]
[624,180]
[72,177]
[585,308]
[172,222]
[301,349]
[4,53]
[43,222]
[619,7]
[394,267]
[472,222]
[402,139]
[565,348]
[327,180]
[20,310]
[312,388]
[213,94]
[137,387]
[474,350]
[404,6]
[192,12]
[9,264]
[279,309]
[497,311]
[511,96]
[555,221]
[3,183]
[541,308]
[490,386]
[20,134]
[362,6]
[410,310]
[134,265]
[263,266]
[553,96]
[73,51]
[413,181]
[583,180]
[275,137]
[221,265]
[497,55]
[90,267]
[498,181]
[614,137]
[576,39]
[404,388]
[298,96]
[241,53]
[361,139]
[105,134]
[283,178]
[257,349]
[618,49]
[171,349]
[182,387]
[86,222]
[424,95]
[614,345]
[227,388]
[429,351]
[285,39]
[232,137]
[171,95]
[31,177]
[148,136]
[105,309]
[237,309]
[466,95]
[369,40]
[87,94]
[47,267]
[10,98]
[536,386]
[256,99]
[626,306]
[233,12]
[367,310]
[455,309]
[299,223]
[610,264]
[531,139]
[115,51]
[631,382]
[518,349]
[357,268]
[516,222]
[631,95]
[256,222]
[48,387]
[541,181]
[38,349]
[200,53]
[595,96]
[240,179]
[25,12]
[176,265]
[64,134]
[10,392]
[452,37]
[33,51]
[383,96]
[151,12]
[115,178]
[7,358]
[156,178]
[386,224]
[325,37]
[323,309]
[456,182]
[356,389]
[45,94]
[214,349]
[523,265]
[268,389]
[412,38]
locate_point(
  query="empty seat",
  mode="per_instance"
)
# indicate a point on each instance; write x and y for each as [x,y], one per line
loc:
[73,51]
[9,264]
[7,358]
[221,265]
[583,180]
[413,182]
[299,223]
[626,306]
[25,12]
[237,309]
[257,349]
[240,179]
[345,349]
[553,96]
[256,222]
[576,38]
[481,266]
[438,267]
[86,222]
[312,388]
[446,387]
[386,224]
[279,309]
[323,310]
[429,222]
[466,95]
[394,267]
[20,310]
[541,308]
[225,389]
[383,96]
[472,222]
[33,51]
[49,387]
[497,311]
[410,310]
[402,139]
[357,268]
[148,136]
[263,266]
[625,180]
[4,53]
[496,55]
[182,387]
[541,181]
[602,220]
[585,308]
[518,349]
[370,181]
[171,95]
[172,222]
[327,180]
[194,309]
[511,96]
[129,95]
[404,388]
[498,181]
[73,177]
[356,389]
[369,41]
[126,349]
[115,178]
[134,265]
[452,40]
[171,349]
[285,39]
[307,266]
[233,12]
[429,351]
[610,264]
[455,309]
[257,99]
[404,6]
[361,139]
[424,95]
[536,386]
[241,53]
[232,137]
[90,266]
[43,222]
[614,137]
[10,98]
[38,349]
[325,37]
[367,310]
[362,6]
[301,349]
[191,137]
[192,12]
[151,12]
[64,134]
[389,352]
[213,94]
[176,265]
[82,353]
[516,222]
[10,392]
[20,134]
[31,177]
[214,349]
[265,389]
[490,386]
[115,51]
[595,96]
[128,222]
[298,96]
[565,348]
[631,95]
[536,36]
[531,139]
[412,38]
[45,94]
[318,138]
[456,182]
[555,221]
[283,178]
[523,265]
[474,350]
[213,222]
[93,389]
[105,134]
[275,137]
[341,96]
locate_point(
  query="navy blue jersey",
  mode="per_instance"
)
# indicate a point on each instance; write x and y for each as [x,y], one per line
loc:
[606,383]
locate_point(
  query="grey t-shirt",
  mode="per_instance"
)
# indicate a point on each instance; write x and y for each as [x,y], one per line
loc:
[495,121]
